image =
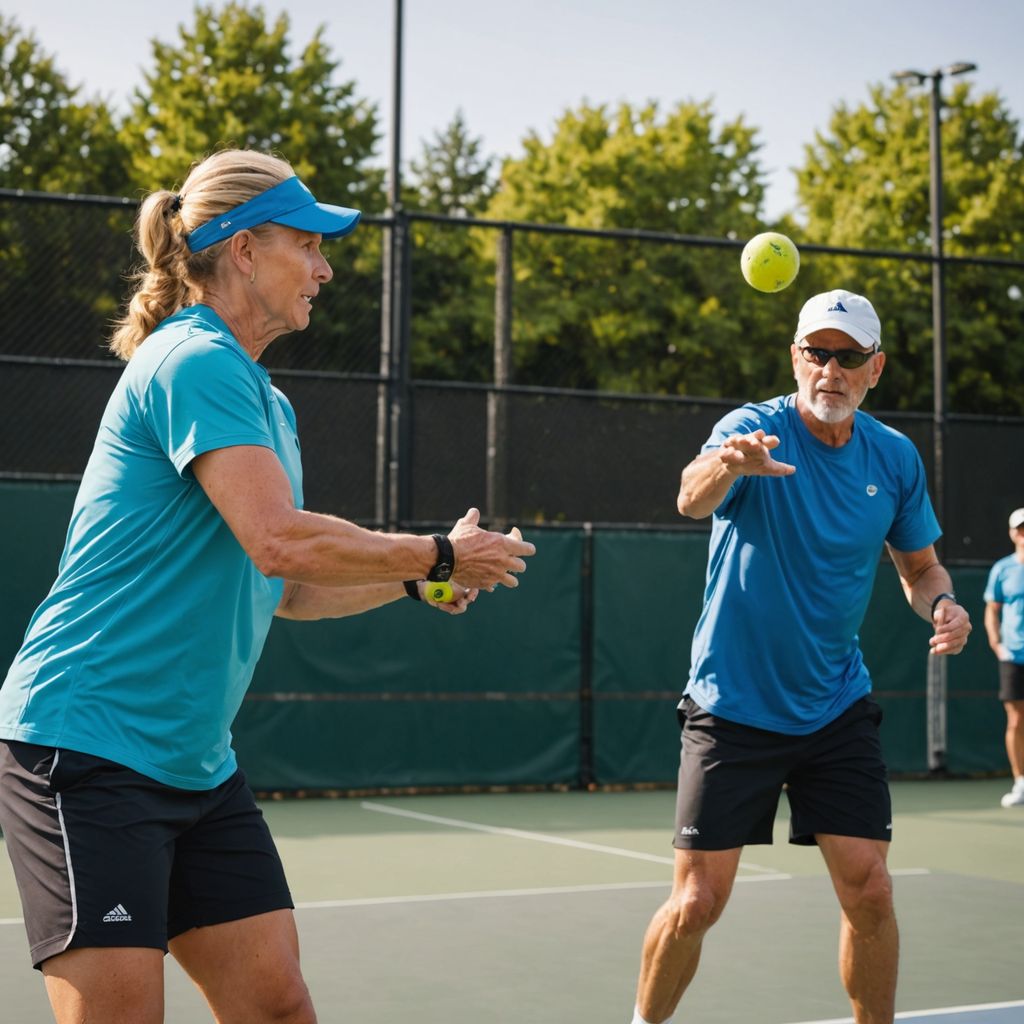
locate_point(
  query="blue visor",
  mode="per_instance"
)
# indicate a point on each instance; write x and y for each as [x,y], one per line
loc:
[289,203]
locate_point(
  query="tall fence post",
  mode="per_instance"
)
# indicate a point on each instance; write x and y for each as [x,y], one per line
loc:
[497,401]
[586,690]
[394,428]
[382,476]
[400,454]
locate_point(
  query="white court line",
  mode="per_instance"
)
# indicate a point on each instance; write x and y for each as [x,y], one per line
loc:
[541,837]
[769,875]
[914,1014]
[373,901]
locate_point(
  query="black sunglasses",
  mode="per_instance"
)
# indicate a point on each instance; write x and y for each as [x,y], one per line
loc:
[847,358]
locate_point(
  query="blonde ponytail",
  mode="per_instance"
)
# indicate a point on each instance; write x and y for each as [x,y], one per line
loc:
[173,275]
[161,287]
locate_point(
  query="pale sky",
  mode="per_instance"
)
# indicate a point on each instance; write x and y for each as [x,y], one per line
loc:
[514,65]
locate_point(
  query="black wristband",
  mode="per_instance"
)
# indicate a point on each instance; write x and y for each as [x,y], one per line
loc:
[445,565]
[941,597]
[412,590]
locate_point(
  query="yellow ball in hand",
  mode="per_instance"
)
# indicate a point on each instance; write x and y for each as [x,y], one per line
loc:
[439,593]
[770,262]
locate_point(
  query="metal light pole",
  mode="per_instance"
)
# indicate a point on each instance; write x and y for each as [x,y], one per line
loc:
[393,426]
[937,667]
[938,268]
[395,175]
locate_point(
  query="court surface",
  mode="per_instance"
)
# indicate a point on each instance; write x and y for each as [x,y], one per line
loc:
[511,908]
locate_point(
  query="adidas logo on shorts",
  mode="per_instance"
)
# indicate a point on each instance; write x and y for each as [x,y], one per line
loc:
[689,830]
[117,914]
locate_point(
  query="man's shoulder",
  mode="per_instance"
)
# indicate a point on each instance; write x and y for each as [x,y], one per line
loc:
[776,406]
[882,433]
[767,415]
[1006,564]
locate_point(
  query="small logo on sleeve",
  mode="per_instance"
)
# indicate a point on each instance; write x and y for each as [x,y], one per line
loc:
[117,914]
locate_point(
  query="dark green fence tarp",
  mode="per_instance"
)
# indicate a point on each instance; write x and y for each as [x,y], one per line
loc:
[511,693]
[648,589]
[975,719]
[34,521]
[643,653]
[405,695]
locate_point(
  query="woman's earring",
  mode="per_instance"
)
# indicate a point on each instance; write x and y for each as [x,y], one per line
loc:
[252,277]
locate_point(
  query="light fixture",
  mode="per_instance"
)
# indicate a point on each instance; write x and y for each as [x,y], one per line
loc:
[960,68]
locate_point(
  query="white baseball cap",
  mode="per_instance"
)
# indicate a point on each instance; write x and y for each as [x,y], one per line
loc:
[852,314]
[1016,518]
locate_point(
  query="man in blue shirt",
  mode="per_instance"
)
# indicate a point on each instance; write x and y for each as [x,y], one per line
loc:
[1004,624]
[804,491]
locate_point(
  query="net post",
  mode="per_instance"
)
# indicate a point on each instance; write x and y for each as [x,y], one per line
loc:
[937,692]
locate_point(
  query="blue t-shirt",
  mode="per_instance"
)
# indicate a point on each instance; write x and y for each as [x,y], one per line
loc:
[144,647]
[791,567]
[1006,585]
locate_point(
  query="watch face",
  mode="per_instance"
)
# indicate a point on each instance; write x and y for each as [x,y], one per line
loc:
[441,572]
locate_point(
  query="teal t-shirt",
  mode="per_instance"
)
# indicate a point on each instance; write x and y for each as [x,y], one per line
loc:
[791,567]
[1006,585]
[143,649]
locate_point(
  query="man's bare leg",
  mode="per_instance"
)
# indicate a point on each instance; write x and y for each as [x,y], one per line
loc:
[701,886]
[868,939]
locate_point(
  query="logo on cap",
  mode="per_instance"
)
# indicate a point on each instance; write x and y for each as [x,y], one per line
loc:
[837,308]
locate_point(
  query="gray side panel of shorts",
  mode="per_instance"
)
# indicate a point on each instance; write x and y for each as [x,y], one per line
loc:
[37,845]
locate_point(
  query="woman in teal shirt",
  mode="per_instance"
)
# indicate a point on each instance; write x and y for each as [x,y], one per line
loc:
[129,826]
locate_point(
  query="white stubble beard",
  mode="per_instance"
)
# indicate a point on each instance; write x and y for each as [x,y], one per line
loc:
[833,410]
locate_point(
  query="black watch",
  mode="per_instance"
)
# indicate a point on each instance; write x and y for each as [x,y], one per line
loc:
[445,564]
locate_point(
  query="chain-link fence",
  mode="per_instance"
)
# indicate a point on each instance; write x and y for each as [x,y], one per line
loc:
[424,382]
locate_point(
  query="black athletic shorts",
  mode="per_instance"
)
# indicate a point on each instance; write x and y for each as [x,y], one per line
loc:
[1011,681]
[731,775]
[104,856]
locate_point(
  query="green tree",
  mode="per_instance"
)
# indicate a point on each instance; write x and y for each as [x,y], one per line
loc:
[230,80]
[631,316]
[865,184]
[452,176]
[51,140]
[452,283]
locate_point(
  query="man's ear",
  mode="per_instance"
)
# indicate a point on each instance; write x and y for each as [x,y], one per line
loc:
[878,364]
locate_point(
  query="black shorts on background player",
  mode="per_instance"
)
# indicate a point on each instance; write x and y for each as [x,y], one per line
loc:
[1011,681]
